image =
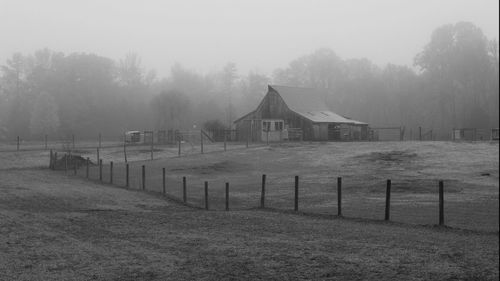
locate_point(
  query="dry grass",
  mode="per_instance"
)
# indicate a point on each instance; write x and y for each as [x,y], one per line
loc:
[470,172]
[58,227]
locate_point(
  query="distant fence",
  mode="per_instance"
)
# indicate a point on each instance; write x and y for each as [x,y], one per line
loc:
[383,201]
[197,137]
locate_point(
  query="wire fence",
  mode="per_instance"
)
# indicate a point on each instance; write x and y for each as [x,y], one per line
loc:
[427,202]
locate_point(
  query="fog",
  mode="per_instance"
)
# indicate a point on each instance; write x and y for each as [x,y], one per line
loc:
[90,66]
[256,35]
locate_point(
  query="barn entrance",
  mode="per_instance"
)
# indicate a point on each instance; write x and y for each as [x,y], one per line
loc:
[273,130]
[333,132]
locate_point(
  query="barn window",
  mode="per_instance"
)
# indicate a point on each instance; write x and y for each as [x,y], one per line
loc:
[278,126]
[266,126]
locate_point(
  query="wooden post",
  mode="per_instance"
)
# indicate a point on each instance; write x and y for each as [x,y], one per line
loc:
[419,133]
[100,169]
[206,195]
[248,132]
[17,143]
[184,191]
[51,160]
[441,203]
[99,140]
[179,146]
[263,191]
[388,200]
[339,196]
[125,147]
[152,144]
[87,168]
[66,162]
[225,140]
[126,175]
[45,142]
[163,180]
[111,172]
[201,141]
[98,157]
[143,177]
[73,140]
[227,196]
[296,206]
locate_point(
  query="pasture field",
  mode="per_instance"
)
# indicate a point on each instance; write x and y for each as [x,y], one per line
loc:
[469,171]
[55,226]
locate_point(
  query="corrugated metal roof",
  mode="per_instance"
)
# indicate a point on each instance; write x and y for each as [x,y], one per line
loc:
[328,117]
[310,103]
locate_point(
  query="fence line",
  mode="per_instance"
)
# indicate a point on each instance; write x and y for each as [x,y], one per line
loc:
[72,162]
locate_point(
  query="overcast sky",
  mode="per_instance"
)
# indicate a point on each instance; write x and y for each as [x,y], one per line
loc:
[257,35]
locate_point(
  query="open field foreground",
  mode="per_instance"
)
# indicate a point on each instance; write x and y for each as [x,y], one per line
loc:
[61,227]
[469,172]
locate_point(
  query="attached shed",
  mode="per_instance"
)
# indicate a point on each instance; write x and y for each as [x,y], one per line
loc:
[297,113]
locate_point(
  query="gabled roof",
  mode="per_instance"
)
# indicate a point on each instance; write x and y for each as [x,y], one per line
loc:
[302,99]
[310,103]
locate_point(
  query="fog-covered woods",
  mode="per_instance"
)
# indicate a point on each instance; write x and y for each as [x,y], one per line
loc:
[454,84]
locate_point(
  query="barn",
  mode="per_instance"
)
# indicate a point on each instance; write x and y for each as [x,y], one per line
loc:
[293,113]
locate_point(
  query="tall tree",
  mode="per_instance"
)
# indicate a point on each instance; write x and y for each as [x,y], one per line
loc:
[44,119]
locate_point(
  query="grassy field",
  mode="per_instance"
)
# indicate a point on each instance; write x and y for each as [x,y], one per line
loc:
[61,227]
[469,171]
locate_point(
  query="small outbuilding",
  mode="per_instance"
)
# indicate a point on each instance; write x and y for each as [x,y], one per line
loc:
[293,113]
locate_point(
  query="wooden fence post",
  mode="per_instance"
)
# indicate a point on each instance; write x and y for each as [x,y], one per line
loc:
[143,177]
[388,200]
[125,147]
[163,180]
[206,195]
[98,156]
[179,153]
[126,175]
[263,191]
[225,140]
[17,143]
[87,168]
[227,196]
[100,169]
[339,196]
[111,172]
[184,191]
[66,162]
[441,203]
[296,205]
[201,141]
[419,133]
[152,144]
[51,160]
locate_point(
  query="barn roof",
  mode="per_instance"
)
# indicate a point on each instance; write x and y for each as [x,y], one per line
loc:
[310,103]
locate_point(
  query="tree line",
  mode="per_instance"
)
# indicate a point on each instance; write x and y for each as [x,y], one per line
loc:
[453,84]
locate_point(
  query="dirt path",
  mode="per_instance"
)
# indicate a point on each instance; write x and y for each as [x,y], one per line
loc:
[55,227]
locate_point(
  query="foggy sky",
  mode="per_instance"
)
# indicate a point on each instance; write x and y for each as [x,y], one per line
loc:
[257,35]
